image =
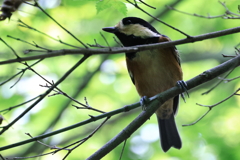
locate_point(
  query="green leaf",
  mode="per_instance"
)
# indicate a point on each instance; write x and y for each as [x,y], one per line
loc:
[121,7]
[113,4]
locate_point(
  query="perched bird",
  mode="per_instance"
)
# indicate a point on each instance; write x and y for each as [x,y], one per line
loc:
[152,71]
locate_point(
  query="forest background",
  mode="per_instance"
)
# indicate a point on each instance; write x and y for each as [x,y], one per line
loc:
[104,81]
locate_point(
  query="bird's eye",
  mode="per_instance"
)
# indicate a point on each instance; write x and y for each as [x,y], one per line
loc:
[128,22]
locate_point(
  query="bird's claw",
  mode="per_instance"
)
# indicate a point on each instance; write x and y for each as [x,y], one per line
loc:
[183,86]
[143,101]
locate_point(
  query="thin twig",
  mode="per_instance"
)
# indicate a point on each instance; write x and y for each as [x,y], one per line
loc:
[40,155]
[39,7]
[217,84]
[10,108]
[237,49]
[1,119]
[194,14]
[124,144]
[46,145]
[106,41]
[66,147]
[19,78]
[34,29]
[14,52]
[118,42]
[85,99]
[96,45]
[32,50]
[21,72]
[45,94]
[87,107]
[210,107]
[59,91]
[228,80]
[136,5]
[86,138]
[228,12]
[147,4]
[231,56]
[225,15]
[2,157]
[165,10]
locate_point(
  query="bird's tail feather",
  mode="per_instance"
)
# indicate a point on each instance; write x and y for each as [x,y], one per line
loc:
[169,135]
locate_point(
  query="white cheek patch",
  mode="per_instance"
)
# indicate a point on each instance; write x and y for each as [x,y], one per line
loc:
[136,30]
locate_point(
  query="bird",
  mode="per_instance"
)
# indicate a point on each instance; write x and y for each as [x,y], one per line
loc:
[152,72]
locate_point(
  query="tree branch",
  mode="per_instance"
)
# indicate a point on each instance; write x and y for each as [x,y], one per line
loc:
[117,50]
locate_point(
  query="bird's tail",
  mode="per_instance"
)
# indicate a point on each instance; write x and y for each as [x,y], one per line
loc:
[169,136]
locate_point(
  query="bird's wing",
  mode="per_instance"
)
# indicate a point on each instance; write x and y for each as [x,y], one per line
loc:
[175,52]
[131,76]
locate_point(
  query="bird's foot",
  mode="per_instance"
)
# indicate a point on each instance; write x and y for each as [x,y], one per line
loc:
[144,101]
[183,86]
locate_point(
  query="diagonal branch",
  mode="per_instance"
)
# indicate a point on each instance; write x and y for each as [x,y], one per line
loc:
[216,85]
[32,44]
[14,52]
[13,107]
[165,10]
[24,25]
[44,95]
[136,5]
[21,73]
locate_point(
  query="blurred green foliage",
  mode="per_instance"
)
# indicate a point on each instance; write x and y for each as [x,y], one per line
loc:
[213,138]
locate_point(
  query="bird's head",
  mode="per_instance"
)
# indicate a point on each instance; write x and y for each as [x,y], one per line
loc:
[134,31]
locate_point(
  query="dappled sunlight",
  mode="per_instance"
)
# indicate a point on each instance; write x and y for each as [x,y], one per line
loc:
[122,85]
[49,4]
[149,133]
[140,148]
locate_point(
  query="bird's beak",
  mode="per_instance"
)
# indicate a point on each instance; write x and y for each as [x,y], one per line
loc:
[110,29]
